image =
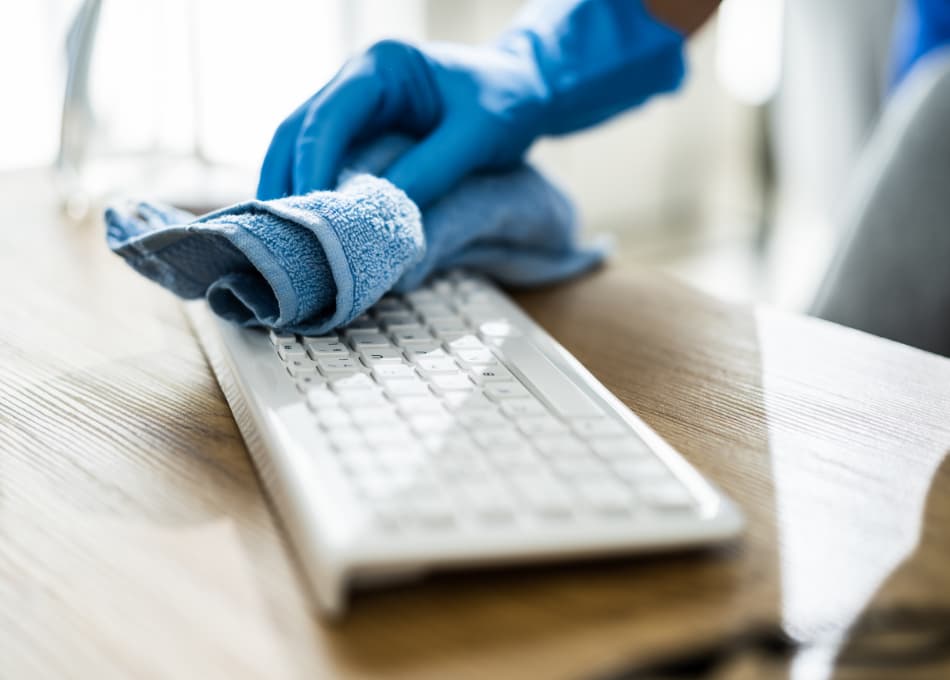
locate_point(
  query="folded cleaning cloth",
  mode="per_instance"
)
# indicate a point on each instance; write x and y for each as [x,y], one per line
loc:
[308,264]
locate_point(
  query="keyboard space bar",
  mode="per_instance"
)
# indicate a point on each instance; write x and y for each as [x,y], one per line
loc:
[548,380]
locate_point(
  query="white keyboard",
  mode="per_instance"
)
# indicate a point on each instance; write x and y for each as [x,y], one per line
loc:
[445,428]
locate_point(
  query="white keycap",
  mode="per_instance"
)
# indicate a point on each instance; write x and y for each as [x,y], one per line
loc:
[397,389]
[393,371]
[499,437]
[545,424]
[369,341]
[331,417]
[560,447]
[505,389]
[467,401]
[517,408]
[405,337]
[543,495]
[410,405]
[430,365]
[448,324]
[341,365]
[389,303]
[305,381]
[360,323]
[289,350]
[356,381]
[355,398]
[381,355]
[479,419]
[451,382]
[402,321]
[278,338]
[373,415]
[486,373]
[327,348]
[301,366]
[580,468]
[435,309]
[429,348]
[429,423]
[475,357]
[388,436]
[307,339]
[597,427]
[320,397]
[498,328]
[466,342]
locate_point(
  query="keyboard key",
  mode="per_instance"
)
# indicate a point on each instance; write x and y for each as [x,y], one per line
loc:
[410,405]
[327,348]
[443,325]
[580,468]
[479,419]
[505,389]
[362,323]
[364,415]
[300,367]
[389,303]
[369,341]
[467,401]
[278,338]
[397,389]
[498,328]
[289,350]
[475,357]
[429,348]
[332,417]
[485,373]
[423,296]
[399,321]
[543,495]
[560,447]
[431,423]
[466,342]
[341,365]
[320,397]
[545,424]
[431,365]
[516,408]
[434,309]
[381,355]
[597,427]
[411,335]
[450,382]
[305,381]
[356,381]
[393,371]
[499,437]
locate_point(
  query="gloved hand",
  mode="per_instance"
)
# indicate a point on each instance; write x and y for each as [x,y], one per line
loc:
[563,66]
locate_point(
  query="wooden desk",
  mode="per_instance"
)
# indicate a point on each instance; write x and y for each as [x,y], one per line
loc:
[135,542]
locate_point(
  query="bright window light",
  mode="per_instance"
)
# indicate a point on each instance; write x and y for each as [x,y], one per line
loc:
[749,48]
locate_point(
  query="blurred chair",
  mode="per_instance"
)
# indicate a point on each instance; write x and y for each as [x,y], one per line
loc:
[891,274]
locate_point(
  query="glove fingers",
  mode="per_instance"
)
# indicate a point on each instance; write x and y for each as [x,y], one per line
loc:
[437,163]
[334,120]
[276,171]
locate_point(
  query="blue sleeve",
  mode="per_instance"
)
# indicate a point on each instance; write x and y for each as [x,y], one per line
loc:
[596,57]
[922,26]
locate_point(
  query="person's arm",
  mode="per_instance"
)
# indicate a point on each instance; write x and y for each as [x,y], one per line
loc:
[562,66]
[686,16]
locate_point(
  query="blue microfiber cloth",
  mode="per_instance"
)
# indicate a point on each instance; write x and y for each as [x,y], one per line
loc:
[308,264]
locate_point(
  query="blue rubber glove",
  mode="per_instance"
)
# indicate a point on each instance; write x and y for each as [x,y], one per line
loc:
[564,65]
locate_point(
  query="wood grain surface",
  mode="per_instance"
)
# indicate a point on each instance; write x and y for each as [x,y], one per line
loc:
[135,541]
